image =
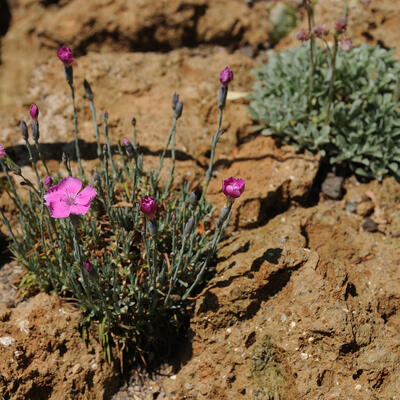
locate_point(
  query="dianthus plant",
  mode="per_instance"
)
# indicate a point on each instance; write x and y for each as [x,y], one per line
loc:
[132,249]
[329,97]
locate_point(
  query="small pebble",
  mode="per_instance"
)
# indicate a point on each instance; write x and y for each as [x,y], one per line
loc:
[369,225]
[283,318]
[332,186]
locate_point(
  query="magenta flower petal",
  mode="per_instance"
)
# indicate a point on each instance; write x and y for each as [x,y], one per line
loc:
[2,151]
[233,188]
[71,185]
[86,196]
[148,206]
[60,209]
[53,194]
[79,209]
[65,55]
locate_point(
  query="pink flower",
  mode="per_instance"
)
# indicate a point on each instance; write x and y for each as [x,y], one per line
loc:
[65,55]
[34,111]
[65,199]
[320,30]
[226,76]
[346,44]
[87,266]
[125,141]
[303,35]
[341,25]
[148,206]
[2,151]
[233,188]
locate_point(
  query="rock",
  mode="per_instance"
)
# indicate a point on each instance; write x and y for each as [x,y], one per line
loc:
[274,179]
[39,28]
[369,225]
[332,186]
[365,208]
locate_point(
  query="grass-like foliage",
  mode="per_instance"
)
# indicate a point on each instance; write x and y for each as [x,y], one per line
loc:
[129,248]
[362,128]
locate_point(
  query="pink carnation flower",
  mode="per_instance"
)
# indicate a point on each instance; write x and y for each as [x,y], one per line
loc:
[2,151]
[341,24]
[233,188]
[148,206]
[66,198]
[226,76]
[320,30]
[303,35]
[65,55]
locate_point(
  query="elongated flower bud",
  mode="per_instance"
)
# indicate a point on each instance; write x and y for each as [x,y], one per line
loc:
[178,109]
[34,112]
[193,199]
[24,130]
[35,131]
[88,90]
[222,93]
[175,99]
[189,227]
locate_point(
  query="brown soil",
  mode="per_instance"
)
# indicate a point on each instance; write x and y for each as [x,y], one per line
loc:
[305,301]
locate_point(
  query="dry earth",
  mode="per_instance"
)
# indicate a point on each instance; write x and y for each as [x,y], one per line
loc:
[305,301]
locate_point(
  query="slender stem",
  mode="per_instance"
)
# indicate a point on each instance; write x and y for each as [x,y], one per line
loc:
[109,144]
[75,116]
[96,127]
[171,132]
[172,169]
[310,17]
[331,83]
[33,162]
[213,146]
[41,157]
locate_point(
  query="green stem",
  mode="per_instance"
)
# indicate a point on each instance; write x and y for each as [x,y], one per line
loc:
[214,142]
[75,116]
[96,127]
[41,157]
[332,81]
[310,17]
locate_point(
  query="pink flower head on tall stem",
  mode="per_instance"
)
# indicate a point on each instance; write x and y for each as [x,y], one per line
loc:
[87,266]
[67,198]
[233,187]
[303,35]
[346,44]
[65,55]
[148,206]
[34,111]
[320,30]
[2,151]
[226,76]
[341,25]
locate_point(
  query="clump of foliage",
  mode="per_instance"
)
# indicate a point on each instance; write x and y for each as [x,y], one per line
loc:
[335,99]
[130,248]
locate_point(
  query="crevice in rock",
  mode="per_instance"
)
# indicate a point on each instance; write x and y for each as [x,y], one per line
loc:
[5,17]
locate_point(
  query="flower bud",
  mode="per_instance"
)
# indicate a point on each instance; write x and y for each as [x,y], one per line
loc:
[128,146]
[87,266]
[303,35]
[65,55]
[35,131]
[88,90]
[95,179]
[226,76]
[189,227]
[222,92]
[193,199]
[34,112]
[2,151]
[341,24]
[175,99]
[133,121]
[64,157]
[320,30]
[178,109]
[105,150]
[24,130]
[148,206]
[233,188]
[152,227]
[48,181]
